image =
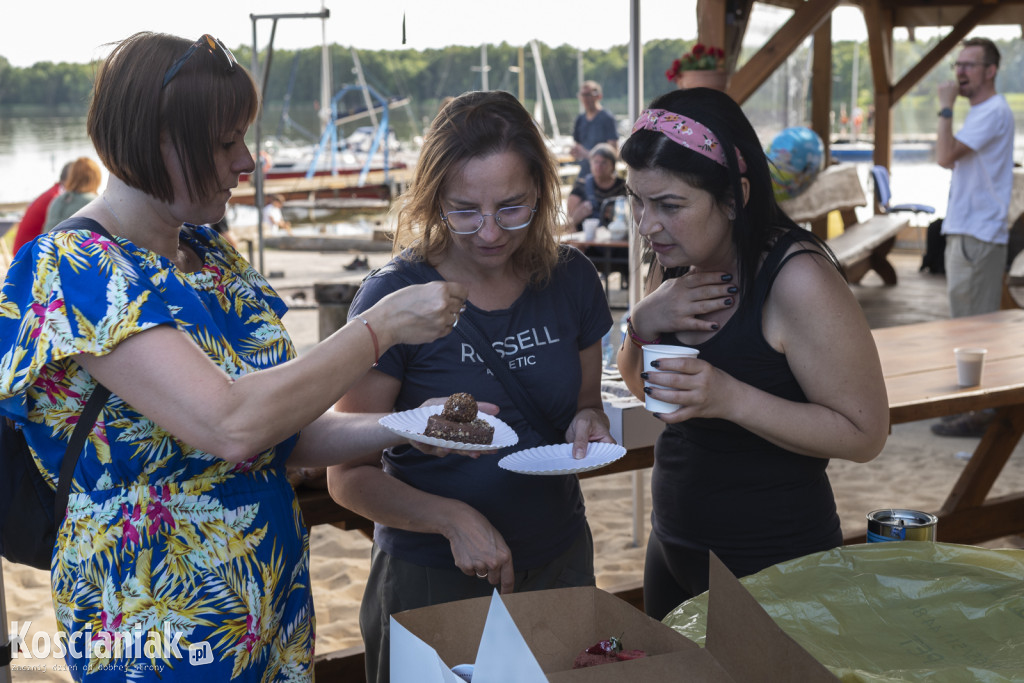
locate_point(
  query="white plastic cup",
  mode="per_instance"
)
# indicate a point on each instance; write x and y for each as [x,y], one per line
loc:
[590,229]
[969,363]
[655,352]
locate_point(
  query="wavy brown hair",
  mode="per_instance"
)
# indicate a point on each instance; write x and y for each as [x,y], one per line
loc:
[474,125]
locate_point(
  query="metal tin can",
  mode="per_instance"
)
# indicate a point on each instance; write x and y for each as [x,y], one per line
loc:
[901,525]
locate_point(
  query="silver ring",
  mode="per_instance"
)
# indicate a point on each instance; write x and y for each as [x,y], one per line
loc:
[481,576]
[463,309]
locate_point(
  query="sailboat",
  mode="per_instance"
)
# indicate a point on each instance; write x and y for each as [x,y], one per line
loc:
[368,148]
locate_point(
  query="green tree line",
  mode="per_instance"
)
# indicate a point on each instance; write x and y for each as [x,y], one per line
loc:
[426,76]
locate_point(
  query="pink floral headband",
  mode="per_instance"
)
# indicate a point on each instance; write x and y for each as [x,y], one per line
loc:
[686,132]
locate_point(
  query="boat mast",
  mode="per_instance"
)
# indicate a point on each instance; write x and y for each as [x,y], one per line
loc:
[362,86]
[483,68]
[325,72]
[542,89]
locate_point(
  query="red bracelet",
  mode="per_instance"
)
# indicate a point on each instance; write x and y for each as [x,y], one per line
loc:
[636,339]
[373,335]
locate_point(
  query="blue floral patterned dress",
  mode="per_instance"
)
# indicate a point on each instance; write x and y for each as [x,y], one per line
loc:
[170,562]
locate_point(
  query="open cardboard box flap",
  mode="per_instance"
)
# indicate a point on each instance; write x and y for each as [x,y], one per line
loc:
[534,638]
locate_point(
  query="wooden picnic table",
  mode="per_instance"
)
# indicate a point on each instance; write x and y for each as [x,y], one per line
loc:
[920,378]
[606,254]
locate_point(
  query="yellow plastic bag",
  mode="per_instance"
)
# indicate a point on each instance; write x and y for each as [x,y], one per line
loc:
[901,611]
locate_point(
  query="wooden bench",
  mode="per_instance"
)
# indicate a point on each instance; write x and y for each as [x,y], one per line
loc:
[862,246]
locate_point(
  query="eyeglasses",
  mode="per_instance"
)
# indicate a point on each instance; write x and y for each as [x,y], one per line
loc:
[966,65]
[588,93]
[209,43]
[470,222]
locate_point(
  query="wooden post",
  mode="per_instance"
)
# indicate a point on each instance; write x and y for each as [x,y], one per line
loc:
[332,301]
[821,80]
[711,22]
[879,23]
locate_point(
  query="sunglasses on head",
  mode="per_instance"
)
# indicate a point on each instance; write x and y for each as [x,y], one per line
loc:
[210,44]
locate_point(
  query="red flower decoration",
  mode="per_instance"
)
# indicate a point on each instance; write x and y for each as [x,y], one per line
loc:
[700,58]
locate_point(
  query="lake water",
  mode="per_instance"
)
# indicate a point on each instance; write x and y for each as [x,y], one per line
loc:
[33,149]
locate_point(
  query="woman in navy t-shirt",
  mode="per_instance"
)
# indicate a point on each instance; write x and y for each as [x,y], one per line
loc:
[482,211]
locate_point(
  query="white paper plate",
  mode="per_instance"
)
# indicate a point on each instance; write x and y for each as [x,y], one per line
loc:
[557,459]
[411,423]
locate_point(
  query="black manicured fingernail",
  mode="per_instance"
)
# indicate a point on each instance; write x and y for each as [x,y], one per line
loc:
[657,415]
[726,277]
[643,375]
[732,290]
[655,363]
[728,302]
[647,390]
[714,326]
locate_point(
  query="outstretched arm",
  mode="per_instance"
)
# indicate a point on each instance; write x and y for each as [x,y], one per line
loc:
[164,375]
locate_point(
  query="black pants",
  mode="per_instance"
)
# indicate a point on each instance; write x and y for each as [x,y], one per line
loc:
[673,574]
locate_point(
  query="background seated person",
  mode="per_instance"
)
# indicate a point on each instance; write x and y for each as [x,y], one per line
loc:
[589,193]
[273,218]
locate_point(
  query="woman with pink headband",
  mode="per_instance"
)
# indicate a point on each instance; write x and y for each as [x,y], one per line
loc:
[787,377]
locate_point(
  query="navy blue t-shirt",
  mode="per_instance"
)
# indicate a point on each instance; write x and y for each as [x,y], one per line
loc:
[540,336]
[589,132]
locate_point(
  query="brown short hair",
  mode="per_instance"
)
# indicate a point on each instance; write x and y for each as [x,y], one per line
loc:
[988,48]
[130,111]
[474,125]
[83,176]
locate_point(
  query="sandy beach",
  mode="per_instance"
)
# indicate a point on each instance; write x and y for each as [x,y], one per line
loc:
[915,470]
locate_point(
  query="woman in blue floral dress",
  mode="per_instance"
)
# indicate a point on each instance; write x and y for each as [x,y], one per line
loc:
[183,552]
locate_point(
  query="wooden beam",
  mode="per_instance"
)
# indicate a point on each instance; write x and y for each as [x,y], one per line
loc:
[711,22]
[976,15]
[879,26]
[821,80]
[756,71]
[735,29]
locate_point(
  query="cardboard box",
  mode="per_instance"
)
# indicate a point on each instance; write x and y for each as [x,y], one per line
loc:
[631,424]
[535,637]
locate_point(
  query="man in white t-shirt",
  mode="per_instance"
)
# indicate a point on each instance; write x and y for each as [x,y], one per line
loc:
[981,156]
[976,225]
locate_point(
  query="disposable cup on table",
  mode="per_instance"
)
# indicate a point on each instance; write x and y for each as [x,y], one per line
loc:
[969,363]
[590,228]
[656,352]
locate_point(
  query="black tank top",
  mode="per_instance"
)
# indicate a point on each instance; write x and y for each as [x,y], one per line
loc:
[716,485]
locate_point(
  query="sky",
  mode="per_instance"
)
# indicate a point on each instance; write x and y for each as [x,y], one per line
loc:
[29,32]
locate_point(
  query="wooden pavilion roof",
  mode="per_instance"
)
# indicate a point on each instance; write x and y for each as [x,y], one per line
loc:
[724,22]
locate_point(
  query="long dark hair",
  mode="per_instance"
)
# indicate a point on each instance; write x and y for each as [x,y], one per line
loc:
[760,221]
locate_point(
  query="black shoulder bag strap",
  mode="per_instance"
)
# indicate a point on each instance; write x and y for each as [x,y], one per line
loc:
[513,387]
[471,333]
[87,419]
